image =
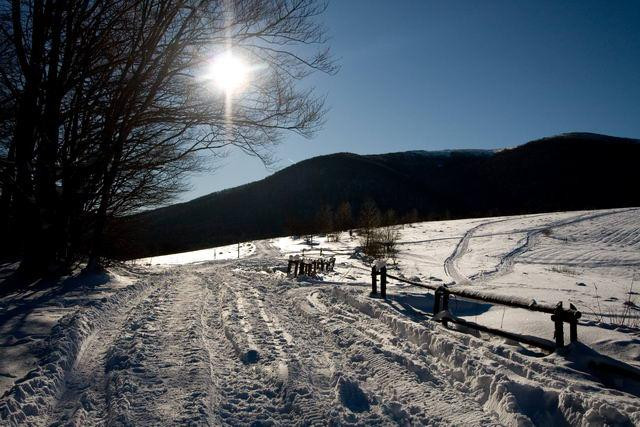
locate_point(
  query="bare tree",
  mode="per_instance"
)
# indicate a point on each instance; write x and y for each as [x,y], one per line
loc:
[369,220]
[343,218]
[389,234]
[111,113]
[410,217]
[324,220]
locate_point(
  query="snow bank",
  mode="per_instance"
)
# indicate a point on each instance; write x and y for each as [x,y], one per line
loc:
[521,391]
[33,395]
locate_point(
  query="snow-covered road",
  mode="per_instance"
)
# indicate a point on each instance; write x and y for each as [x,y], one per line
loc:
[237,343]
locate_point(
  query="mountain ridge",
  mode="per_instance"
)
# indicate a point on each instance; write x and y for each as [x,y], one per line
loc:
[569,171]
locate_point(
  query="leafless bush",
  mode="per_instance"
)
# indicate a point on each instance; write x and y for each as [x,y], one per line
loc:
[343,219]
[379,241]
[626,316]
[563,270]
[368,221]
[333,237]
[389,236]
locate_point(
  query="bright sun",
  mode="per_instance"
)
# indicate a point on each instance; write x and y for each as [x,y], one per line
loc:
[229,72]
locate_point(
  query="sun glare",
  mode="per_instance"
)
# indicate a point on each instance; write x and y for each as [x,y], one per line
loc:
[229,72]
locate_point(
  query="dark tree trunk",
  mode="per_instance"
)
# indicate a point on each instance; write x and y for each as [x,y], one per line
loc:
[7,217]
[28,218]
[35,258]
[47,195]
[111,168]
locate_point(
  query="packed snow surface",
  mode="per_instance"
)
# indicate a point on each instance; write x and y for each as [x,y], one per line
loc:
[237,342]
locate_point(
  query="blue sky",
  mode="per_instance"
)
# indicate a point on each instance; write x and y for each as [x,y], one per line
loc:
[430,75]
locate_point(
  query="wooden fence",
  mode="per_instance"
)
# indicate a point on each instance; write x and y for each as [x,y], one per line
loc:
[442,293]
[299,266]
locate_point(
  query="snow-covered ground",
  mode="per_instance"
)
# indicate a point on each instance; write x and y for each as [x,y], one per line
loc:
[590,259]
[240,250]
[238,342]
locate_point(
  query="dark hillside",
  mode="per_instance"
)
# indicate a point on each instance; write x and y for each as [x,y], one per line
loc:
[572,171]
[566,172]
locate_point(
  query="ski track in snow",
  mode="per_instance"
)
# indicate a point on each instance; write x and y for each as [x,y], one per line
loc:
[450,264]
[236,343]
[618,229]
[531,240]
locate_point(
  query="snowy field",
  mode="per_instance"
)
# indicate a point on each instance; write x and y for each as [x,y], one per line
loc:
[590,259]
[189,339]
[219,253]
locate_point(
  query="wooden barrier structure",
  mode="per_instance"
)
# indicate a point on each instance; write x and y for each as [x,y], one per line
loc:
[379,268]
[300,266]
[442,293]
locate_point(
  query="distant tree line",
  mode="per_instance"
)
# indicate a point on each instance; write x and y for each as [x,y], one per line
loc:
[378,232]
[103,114]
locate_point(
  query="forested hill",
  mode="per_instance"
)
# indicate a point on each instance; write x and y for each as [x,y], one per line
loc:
[565,172]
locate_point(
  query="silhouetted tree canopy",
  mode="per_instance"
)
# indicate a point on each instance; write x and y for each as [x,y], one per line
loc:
[104,111]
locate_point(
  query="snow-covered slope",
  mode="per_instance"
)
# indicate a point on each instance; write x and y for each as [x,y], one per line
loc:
[589,258]
[237,342]
[240,250]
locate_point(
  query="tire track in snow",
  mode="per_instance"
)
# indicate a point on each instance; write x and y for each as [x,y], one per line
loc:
[531,239]
[243,394]
[273,388]
[506,261]
[84,400]
[402,388]
[326,384]
[450,264]
[288,355]
[173,355]
[158,369]
[65,387]
[614,241]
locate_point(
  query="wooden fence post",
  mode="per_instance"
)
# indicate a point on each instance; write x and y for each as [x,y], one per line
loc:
[383,282]
[296,265]
[573,330]
[289,264]
[436,301]
[445,300]
[557,318]
[374,274]
[445,303]
[574,315]
[441,301]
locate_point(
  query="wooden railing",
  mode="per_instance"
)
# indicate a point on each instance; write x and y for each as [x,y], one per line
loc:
[442,294]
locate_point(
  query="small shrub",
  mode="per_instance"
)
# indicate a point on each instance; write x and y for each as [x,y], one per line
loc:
[626,316]
[333,237]
[563,270]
